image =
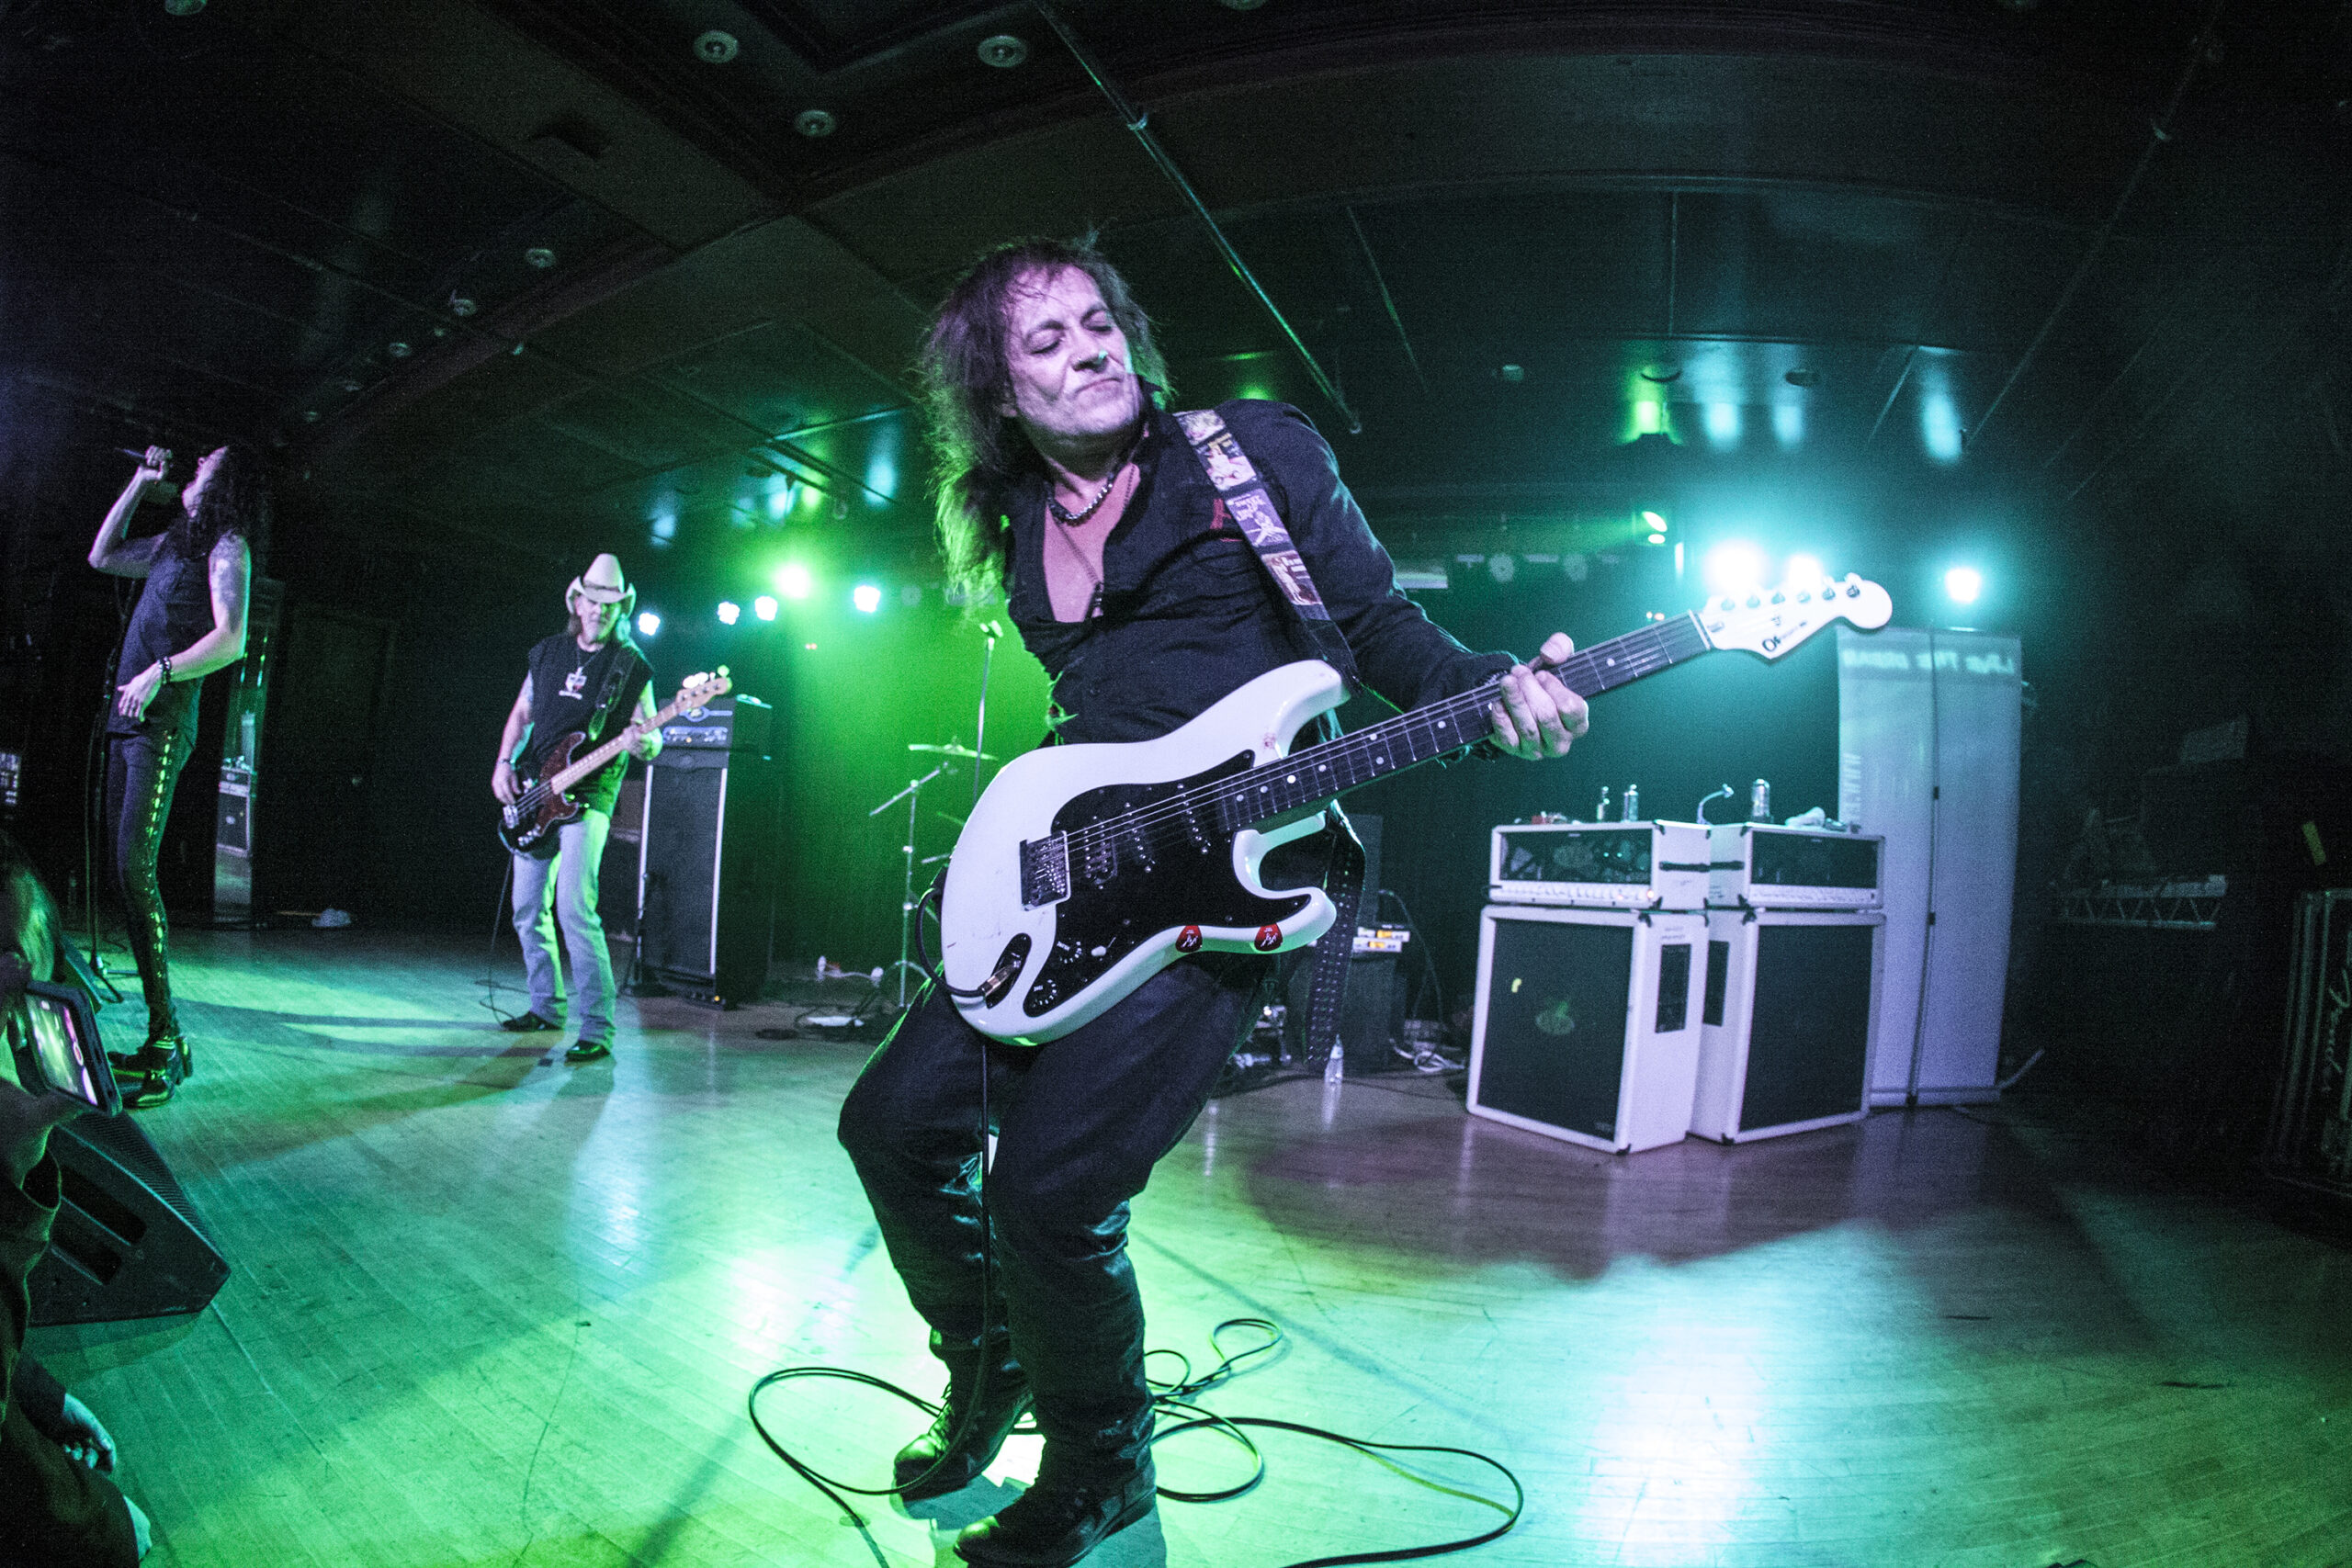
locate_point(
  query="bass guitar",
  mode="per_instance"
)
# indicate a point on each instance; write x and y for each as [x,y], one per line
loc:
[541,806]
[1085,870]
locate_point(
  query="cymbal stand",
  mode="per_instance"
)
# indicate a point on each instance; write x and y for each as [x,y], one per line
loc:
[913,796]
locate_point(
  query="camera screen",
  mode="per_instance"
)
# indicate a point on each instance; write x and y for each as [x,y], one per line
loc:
[64,1060]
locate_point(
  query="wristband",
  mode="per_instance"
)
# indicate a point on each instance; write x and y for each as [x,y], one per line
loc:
[164,663]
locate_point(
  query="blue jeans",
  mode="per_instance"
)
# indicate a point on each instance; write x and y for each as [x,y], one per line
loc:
[564,888]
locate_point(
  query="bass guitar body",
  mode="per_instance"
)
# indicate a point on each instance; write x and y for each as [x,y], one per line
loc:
[1083,870]
[529,826]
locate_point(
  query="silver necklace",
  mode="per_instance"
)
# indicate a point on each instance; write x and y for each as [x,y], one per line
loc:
[1117,470]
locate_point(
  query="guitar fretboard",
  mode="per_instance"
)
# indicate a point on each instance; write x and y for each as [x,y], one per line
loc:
[1319,772]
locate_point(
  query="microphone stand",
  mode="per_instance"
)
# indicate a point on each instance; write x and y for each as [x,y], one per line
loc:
[991,631]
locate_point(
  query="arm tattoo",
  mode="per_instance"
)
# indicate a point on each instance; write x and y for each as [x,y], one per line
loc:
[229,574]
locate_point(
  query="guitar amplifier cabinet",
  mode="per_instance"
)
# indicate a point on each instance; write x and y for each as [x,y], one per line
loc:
[1790,1016]
[706,856]
[1794,868]
[1587,1026]
[1626,865]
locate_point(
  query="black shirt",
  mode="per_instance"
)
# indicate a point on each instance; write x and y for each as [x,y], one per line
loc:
[575,692]
[1189,613]
[175,609]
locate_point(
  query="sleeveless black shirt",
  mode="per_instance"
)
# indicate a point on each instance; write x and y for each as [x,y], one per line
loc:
[569,690]
[175,609]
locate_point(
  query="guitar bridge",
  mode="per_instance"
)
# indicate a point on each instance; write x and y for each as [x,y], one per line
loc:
[1045,870]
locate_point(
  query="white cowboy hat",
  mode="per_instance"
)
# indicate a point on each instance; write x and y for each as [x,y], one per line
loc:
[602,583]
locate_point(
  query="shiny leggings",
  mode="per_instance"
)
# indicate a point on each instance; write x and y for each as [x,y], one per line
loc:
[141,772]
[1080,1124]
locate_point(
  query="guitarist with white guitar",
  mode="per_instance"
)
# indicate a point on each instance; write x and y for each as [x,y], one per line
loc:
[578,681]
[1131,577]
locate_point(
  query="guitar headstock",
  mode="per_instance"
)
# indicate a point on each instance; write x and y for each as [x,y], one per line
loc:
[701,690]
[1772,621]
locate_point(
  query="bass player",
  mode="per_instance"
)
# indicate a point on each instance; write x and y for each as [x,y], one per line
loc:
[577,683]
[1062,476]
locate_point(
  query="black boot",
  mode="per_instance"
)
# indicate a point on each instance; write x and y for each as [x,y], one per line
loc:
[1076,1504]
[952,1454]
[148,1075]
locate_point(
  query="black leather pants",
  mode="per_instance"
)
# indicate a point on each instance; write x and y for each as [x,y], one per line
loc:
[1080,1124]
[140,773]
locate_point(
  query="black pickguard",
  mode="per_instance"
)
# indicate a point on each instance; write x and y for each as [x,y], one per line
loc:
[1133,886]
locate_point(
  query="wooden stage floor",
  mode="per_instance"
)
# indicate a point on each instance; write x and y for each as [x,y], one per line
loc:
[490,1309]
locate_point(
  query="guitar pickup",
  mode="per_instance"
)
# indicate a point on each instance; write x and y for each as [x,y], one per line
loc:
[1045,870]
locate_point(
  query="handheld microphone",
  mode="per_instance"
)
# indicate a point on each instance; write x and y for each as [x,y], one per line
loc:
[155,456]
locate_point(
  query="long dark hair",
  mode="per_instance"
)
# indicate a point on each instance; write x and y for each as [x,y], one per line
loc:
[25,902]
[976,447]
[236,500]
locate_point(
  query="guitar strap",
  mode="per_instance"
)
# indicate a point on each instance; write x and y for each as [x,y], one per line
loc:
[1247,501]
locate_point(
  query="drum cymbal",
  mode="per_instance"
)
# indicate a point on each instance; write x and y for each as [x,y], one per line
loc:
[965,752]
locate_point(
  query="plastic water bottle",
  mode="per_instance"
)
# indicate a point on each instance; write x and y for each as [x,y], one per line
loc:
[1632,802]
[1759,801]
[1600,812]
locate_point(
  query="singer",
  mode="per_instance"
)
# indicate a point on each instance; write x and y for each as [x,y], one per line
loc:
[190,621]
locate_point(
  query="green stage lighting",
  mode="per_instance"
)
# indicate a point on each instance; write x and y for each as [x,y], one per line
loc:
[1963,583]
[728,612]
[867,597]
[648,623]
[763,607]
[792,580]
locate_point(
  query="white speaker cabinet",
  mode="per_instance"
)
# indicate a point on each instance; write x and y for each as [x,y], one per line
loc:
[1788,1020]
[1587,1026]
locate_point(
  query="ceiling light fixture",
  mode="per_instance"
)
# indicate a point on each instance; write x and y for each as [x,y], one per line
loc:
[1004,52]
[1802,378]
[814,123]
[538,256]
[715,47]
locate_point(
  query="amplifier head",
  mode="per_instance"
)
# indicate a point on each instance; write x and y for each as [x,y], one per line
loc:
[1614,865]
[1795,868]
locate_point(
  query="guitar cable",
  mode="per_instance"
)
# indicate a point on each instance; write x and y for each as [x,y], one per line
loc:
[1178,1398]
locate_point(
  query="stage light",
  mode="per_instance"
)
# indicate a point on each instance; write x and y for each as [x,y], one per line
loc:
[1963,583]
[1722,425]
[648,623]
[867,597]
[1939,427]
[763,607]
[1805,572]
[1677,558]
[1788,424]
[730,612]
[1734,566]
[792,580]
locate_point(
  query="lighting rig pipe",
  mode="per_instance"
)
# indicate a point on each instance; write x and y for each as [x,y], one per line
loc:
[1136,120]
[2159,132]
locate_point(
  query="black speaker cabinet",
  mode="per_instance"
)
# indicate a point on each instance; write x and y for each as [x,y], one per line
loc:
[1587,1026]
[707,870]
[617,876]
[1784,1044]
[127,1242]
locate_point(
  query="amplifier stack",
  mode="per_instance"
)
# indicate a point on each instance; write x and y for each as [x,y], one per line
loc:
[1590,960]
[1796,946]
[1639,981]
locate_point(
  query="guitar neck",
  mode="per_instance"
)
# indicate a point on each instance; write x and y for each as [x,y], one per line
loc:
[582,766]
[1452,724]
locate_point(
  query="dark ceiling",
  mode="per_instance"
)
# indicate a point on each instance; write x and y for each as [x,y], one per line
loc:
[538,271]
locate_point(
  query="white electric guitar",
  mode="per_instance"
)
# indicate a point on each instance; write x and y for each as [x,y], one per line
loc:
[1086,870]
